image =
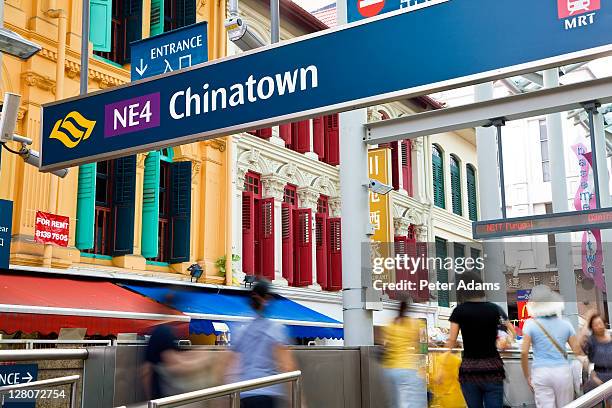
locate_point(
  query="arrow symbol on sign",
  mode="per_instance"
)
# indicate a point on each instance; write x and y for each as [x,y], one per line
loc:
[142,69]
[28,378]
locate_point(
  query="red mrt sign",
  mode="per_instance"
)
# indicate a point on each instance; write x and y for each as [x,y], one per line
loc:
[51,229]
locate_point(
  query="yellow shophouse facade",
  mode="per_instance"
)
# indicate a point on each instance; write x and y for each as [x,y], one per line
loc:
[53,74]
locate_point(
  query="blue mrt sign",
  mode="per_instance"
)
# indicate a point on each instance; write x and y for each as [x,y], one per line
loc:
[6,222]
[171,51]
[386,58]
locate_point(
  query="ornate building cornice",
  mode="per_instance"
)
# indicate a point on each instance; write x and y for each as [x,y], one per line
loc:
[273,186]
[217,144]
[308,197]
[45,83]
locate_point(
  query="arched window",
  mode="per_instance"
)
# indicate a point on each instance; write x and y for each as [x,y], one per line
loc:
[471,192]
[455,173]
[437,164]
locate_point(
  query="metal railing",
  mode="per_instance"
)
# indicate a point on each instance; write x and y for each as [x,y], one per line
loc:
[52,382]
[45,354]
[593,398]
[33,344]
[233,391]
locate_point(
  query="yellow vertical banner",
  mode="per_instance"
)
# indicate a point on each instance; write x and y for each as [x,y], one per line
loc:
[379,168]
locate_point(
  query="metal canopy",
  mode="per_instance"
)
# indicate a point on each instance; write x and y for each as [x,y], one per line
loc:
[513,107]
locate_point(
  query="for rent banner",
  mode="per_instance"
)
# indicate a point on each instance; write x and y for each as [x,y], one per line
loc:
[51,229]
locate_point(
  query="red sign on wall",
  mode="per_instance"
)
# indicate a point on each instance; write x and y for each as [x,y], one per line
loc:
[51,229]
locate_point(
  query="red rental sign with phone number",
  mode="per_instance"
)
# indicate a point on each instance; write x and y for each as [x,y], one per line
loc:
[51,229]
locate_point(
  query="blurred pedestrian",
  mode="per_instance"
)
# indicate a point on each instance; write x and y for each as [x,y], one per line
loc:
[260,348]
[481,373]
[598,347]
[551,376]
[402,361]
[169,371]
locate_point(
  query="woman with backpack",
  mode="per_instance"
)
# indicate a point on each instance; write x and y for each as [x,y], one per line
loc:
[550,376]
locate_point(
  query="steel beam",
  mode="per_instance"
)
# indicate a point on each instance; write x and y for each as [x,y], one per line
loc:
[473,115]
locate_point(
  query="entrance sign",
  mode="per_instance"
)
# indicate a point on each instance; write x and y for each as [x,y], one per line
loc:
[11,374]
[543,224]
[6,222]
[171,51]
[335,70]
[51,229]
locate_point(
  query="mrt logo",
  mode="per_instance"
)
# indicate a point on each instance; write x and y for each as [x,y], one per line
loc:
[569,8]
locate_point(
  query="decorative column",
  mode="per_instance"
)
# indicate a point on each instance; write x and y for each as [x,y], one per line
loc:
[308,198]
[275,138]
[401,225]
[334,205]
[311,153]
[241,171]
[274,187]
[419,176]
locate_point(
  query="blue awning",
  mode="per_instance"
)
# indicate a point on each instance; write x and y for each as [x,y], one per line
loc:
[232,307]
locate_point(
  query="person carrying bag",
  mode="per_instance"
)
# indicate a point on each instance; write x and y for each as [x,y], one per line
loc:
[550,377]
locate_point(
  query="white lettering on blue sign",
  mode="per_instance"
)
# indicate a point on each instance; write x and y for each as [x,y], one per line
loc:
[189,103]
[177,46]
[580,21]
[3,229]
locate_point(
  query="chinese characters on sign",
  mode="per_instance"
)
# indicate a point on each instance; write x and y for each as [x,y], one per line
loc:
[51,229]
[379,168]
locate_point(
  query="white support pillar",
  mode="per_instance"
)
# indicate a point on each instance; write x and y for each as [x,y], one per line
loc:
[490,202]
[558,177]
[274,187]
[606,201]
[311,153]
[308,198]
[419,175]
[276,139]
[358,322]
[237,210]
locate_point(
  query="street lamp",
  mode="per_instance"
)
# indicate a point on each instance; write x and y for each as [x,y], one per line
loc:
[14,44]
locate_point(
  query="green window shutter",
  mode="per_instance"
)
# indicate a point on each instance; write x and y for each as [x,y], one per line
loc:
[150,206]
[86,206]
[100,19]
[438,181]
[157,17]
[456,187]
[186,12]
[124,197]
[180,211]
[442,273]
[471,193]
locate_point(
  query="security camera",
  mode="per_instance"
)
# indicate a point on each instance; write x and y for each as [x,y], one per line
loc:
[240,34]
[32,157]
[377,187]
[8,118]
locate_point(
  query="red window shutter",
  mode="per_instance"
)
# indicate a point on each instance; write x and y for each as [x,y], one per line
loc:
[400,246]
[334,249]
[395,166]
[265,133]
[302,144]
[321,236]
[407,165]
[332,140]
[285,133]
[267,238]
[318,131]
[287,240]
[422,273]
[248,233]
[303,247]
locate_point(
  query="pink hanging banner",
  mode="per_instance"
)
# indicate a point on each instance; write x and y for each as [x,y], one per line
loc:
[592,251]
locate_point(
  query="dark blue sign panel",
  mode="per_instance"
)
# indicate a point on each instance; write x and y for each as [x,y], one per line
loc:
[386,58]
[171,51]
[6,222]
[11,374]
